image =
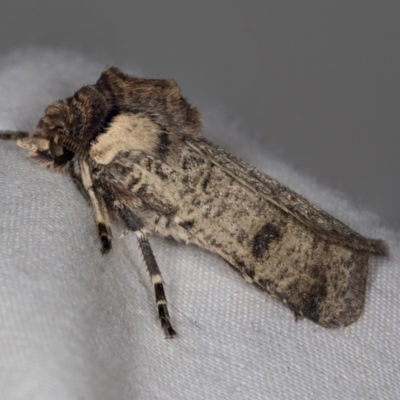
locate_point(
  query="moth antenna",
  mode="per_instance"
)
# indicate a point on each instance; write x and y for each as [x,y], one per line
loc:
[76,148]
[15,135]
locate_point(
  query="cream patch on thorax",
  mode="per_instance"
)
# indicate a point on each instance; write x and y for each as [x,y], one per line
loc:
[127,132]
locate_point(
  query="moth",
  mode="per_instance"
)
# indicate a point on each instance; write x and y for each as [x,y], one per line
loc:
[134,147]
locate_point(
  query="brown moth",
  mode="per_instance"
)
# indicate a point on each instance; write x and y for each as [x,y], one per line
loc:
[135,147]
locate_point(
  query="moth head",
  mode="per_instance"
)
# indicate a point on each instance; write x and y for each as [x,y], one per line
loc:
[44,145]
[47,152]
[67,127]
[70,127]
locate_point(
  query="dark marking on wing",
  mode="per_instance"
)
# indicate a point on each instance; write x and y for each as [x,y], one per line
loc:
[187,224]
[205,183]
[134,180]
[263,238]
[131,220]
[241,236]
[158,170]
[163,144]
[315,297]
[123,169]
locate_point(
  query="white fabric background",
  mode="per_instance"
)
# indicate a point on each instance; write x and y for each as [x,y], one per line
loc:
[78,325]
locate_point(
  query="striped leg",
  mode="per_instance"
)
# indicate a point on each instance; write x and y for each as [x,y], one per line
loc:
[99,209]
[135,224]
[156,280]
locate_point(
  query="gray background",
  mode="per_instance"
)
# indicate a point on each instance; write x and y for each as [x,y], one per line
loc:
[319,80]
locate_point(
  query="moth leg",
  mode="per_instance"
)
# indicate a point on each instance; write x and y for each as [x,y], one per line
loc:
[99,209]
[135,224]
[156,280]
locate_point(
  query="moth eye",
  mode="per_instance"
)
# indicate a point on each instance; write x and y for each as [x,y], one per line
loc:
[60,153]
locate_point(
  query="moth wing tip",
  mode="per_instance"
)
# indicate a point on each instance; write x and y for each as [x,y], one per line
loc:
[379,247]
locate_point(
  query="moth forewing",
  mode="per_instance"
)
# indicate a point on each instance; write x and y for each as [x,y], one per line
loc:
[134,147]
[321,280]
